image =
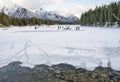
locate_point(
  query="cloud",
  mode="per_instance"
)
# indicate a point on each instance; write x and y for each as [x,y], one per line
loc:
[33,4]
[78,10]
[49,4]
[8,2]
[56,1]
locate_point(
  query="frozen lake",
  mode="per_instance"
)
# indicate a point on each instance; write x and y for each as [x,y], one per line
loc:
[87,48]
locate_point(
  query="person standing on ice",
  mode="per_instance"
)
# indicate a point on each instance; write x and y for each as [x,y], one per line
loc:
[58,27]
[35,27]
[78,27]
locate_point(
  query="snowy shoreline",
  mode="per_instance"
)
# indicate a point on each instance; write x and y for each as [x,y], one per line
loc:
[13,72]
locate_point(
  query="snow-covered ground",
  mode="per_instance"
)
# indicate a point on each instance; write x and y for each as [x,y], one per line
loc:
[86,48]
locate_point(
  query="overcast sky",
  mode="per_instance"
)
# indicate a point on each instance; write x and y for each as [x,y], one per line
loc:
[62,6]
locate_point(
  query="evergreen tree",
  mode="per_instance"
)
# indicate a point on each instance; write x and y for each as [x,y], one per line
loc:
[101,15]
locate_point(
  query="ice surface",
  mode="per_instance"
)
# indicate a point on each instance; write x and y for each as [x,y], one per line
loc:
[87,48]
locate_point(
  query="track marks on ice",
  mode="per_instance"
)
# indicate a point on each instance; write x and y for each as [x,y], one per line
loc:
[23,52]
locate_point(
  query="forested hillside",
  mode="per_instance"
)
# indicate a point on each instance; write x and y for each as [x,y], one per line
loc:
[7,21]
[103,15]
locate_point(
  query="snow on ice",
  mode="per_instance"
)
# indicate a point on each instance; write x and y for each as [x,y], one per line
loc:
[87,48]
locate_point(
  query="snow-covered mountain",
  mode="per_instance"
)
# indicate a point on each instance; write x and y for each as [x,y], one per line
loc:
[72,17]
[17,11]
[50,15]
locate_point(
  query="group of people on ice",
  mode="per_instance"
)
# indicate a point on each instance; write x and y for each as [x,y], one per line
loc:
[61,27]
[77,28]
[64,27]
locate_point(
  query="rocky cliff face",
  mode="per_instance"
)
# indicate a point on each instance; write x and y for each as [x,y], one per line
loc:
[13,72]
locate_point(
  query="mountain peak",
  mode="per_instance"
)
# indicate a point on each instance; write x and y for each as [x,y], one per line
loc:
[18,11]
